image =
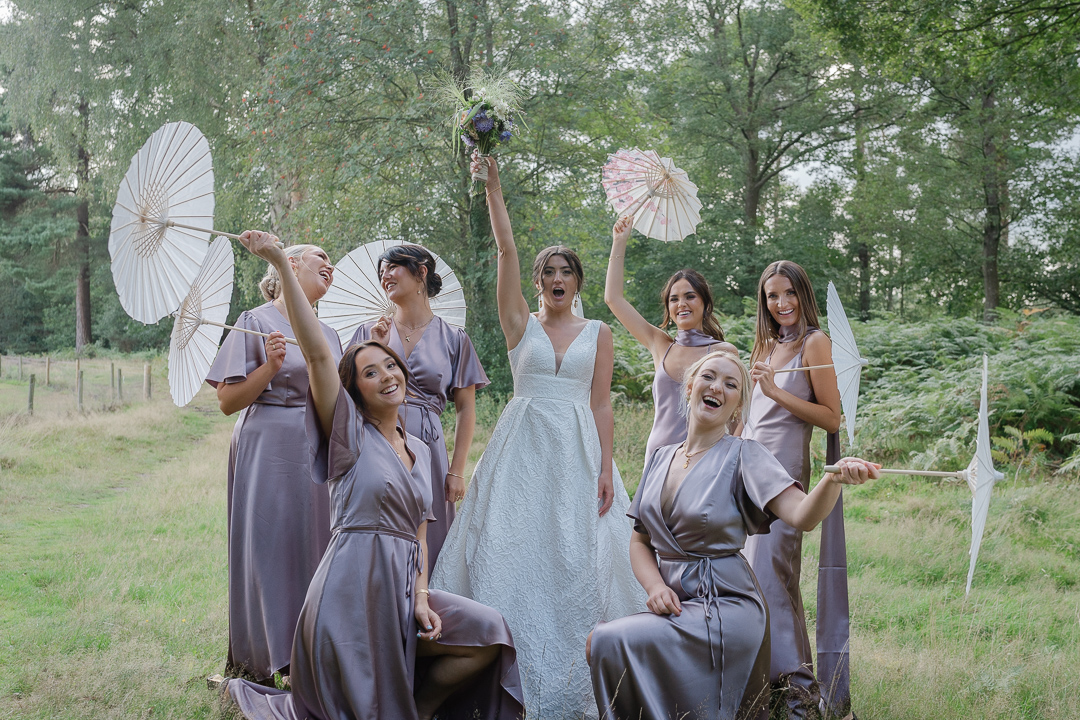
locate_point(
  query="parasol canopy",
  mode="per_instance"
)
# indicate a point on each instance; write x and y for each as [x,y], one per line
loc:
[659,196]
[357,297]
[194,343]
[153,263]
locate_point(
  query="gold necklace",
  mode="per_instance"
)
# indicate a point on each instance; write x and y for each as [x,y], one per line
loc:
[689,455]
[412,329]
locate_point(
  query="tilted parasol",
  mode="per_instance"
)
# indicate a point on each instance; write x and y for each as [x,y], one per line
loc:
[162,221]
[980,476]
[357,297]
[196,329]
[659,196]
[847,362]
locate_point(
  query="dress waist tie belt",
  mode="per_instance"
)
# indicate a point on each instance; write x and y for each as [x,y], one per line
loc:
[416,554]
[429,417]
[706,591]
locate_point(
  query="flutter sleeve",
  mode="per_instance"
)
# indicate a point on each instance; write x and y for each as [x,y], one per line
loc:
[759,478]
[467,368]
[362,334]
[333,456]
[240,355]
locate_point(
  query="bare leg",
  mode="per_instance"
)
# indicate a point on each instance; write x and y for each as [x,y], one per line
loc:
[453,666]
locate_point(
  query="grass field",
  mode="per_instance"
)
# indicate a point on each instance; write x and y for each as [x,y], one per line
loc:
[113,577]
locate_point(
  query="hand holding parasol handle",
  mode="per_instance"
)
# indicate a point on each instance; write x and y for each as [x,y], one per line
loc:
[240,329]
[887,471]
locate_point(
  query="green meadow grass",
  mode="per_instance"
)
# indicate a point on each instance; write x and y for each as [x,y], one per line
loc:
[113,572]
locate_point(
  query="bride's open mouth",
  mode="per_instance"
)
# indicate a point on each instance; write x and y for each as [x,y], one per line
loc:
[558,292]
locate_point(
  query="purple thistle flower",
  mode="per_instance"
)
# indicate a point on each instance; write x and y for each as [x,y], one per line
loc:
[483,124]
[480,114]
[468,140]
[504,135]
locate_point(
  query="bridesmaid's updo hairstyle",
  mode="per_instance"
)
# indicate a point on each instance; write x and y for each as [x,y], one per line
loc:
[270,285]
[572,260]
[768,330]
[709,324]
[413,257]
[746,388]
[347,372]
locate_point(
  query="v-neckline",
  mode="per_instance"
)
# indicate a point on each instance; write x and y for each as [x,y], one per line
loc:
[686,477]
[554,356]
[412,455]
[401,343]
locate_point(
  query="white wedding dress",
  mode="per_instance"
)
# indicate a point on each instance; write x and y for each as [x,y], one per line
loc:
[528,541]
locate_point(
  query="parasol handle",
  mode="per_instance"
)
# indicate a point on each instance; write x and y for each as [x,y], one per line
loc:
[173,223]
[926,473]
[800,369]
[243,330]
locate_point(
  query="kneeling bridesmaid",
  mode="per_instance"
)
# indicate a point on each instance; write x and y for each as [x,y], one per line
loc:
[372,642]
[703,650]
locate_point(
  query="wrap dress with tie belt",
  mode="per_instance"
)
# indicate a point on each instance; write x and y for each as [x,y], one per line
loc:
[712,661]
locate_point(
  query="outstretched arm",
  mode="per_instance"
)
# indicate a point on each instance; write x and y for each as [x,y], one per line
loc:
[804,511]
[652,337]
[513,310]
[322,368]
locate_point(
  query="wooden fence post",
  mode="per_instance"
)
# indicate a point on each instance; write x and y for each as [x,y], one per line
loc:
[120,384]
[20,368]
[30,397]
[78,369]
[79,388]
[112,382]
[48,369]
[146,382]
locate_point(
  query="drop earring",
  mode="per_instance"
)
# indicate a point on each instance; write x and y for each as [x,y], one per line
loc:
[577,300]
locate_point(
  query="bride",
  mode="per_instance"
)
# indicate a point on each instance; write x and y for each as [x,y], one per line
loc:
[542,534]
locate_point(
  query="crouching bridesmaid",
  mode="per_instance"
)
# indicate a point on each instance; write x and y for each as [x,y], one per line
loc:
[372,641]
[703,650]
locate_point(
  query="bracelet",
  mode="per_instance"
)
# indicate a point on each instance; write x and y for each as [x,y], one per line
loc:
[455,474]
[491,190]
[423,590]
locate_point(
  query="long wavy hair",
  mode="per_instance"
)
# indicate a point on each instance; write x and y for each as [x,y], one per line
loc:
[709,324]
[768,330]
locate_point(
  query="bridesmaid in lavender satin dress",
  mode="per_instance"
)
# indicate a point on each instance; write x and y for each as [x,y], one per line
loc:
[372,642]
[703,649]
[686,300]
[442,366]
[783,412]
[279,521]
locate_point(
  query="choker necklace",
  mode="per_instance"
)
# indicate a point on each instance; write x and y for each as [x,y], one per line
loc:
[412,329]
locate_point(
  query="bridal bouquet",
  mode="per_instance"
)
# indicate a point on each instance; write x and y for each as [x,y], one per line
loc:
[486,112]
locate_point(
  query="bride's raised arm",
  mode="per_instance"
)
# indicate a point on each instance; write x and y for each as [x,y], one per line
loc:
[513,309]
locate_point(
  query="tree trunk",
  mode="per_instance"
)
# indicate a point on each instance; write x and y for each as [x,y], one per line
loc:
[82,235]
[994,190]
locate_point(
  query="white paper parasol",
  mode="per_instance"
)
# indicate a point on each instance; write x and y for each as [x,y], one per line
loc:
[153,264]
[657,194]
[847,362]
[357,297]
[980,476]
[197,327]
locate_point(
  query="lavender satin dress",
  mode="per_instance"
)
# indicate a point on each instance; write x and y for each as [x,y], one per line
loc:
[669,424]
[278,519]
[442,361]
[354,657]
[777,557]
[712,661]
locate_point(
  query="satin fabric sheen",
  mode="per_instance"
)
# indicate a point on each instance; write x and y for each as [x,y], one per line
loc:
[354,657]
[669,424]
[711,661]
[278,519]
[442,361]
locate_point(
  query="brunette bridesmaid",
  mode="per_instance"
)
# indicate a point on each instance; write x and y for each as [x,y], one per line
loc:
[784,410]
[442,365]
[372,642]
[278,519]
[687,301]
[703,649]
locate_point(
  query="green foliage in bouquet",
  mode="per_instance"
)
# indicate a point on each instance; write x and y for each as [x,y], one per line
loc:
[487,108]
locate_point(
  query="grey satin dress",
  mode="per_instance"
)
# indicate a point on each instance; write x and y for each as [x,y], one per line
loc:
[777,557]
[354,657]
[712,661]
[278,519]
[669,424]
[442,361]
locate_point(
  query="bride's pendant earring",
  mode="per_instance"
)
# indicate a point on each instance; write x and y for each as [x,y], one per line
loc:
[577,298]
